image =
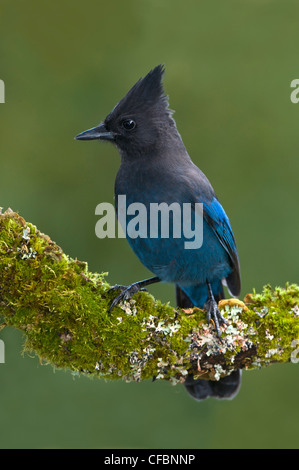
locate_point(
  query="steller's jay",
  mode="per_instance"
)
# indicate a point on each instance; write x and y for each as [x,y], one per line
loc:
[156,168]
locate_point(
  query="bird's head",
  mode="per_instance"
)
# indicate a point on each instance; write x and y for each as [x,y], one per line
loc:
[140,120]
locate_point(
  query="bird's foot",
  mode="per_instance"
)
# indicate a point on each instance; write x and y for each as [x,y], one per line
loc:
[117,287]
[126,293]
[213,313]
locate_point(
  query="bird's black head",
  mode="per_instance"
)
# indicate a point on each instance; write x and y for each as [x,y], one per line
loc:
[140,120]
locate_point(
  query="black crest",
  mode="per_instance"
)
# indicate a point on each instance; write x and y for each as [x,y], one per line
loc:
[147,92]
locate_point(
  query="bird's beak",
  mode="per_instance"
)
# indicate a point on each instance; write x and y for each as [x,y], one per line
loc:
[100,132]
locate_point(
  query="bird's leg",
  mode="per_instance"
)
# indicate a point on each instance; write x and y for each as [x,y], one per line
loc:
[213,311]
[128,291]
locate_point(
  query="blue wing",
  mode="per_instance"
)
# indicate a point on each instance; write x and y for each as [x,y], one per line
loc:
[217,219]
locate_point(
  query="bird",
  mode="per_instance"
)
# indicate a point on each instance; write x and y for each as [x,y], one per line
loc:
[156,168]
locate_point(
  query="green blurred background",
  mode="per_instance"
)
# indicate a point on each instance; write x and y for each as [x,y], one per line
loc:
[229,66]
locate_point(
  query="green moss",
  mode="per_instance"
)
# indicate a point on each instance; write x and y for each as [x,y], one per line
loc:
[278,306]
[63,310]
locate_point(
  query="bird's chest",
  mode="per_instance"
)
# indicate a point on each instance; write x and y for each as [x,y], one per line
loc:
[147,185]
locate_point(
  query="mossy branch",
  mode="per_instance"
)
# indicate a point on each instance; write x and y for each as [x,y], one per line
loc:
[62,308]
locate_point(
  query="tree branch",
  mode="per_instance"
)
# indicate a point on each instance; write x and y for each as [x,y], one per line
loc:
[62,308]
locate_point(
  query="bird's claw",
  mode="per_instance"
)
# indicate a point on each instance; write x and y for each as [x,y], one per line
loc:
[117,287]
[126,293]
[213,313]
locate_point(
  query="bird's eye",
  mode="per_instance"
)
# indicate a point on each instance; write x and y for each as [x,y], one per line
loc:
[129,124]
